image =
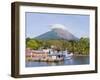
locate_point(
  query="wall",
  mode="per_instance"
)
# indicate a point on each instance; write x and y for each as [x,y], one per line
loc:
[5,40]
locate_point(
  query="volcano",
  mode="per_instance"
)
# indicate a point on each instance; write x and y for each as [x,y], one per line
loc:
[57,32]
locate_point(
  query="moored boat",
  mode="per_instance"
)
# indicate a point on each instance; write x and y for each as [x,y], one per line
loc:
[48,55]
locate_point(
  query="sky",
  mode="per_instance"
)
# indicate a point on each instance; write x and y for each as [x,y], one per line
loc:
[39,23]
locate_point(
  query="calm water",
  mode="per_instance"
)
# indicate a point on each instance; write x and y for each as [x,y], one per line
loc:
[76,60]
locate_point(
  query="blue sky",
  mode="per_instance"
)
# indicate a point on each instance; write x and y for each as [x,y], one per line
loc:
[39,23]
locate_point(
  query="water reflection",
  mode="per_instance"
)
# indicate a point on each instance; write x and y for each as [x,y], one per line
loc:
[76,60]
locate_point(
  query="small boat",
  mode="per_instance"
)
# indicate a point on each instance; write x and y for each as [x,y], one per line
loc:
[67,55]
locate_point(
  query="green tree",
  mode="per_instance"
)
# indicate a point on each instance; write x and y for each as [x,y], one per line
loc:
[27,39]
[32,44]
[83,46]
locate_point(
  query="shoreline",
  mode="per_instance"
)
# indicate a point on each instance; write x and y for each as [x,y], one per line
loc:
[79,55]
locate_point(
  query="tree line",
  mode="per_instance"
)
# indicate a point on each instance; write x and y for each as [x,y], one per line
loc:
[80,46]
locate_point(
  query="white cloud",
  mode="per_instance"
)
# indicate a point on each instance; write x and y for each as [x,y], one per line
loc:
[58,26]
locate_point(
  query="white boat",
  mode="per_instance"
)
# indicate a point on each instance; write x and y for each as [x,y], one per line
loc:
[67,55]
[61,54]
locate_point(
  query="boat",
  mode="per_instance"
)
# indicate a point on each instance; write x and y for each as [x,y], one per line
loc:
[67,55]
[62,55]
[48,55]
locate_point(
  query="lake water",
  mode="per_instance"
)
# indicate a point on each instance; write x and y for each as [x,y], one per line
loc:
[75,60]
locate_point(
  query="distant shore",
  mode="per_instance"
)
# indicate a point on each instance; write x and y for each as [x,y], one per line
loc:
[80,55]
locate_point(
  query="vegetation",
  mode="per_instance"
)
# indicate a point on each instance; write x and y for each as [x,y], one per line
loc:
[80,46]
